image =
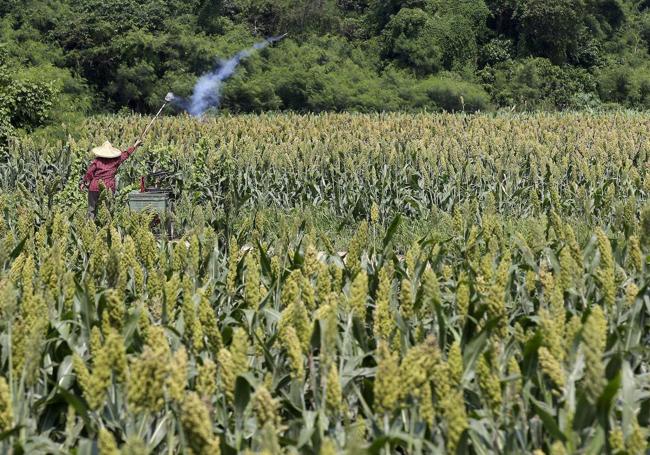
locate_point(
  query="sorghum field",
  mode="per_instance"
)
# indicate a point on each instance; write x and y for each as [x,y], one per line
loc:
[338,284]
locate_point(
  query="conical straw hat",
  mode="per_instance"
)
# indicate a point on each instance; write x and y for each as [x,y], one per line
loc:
[106,150]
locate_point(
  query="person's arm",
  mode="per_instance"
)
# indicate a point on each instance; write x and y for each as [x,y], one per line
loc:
[128,152]
[88,176]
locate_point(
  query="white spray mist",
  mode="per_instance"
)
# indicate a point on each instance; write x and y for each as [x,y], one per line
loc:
[207,90]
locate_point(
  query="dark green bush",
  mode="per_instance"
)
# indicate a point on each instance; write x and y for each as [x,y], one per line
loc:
[496,51]
[455,95]
[549,27]
[536,83]
[625,85]
[23,104]
[413,39]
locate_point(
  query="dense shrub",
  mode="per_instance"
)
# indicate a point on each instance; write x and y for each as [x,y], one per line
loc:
[455,95]
[495,51]
[625,85]
[411,39]
[537,83]
[23,104]
[549,27]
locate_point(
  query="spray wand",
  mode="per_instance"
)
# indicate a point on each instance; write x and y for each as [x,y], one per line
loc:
[168,99]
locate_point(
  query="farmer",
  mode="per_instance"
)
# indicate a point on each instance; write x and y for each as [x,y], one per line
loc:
[103,169]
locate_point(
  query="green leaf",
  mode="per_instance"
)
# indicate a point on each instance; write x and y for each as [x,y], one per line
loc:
[547,419]
[243,391]
[392,229]
[7,434]
[607,398]
[161,431]
[265,261]
[392,439]
[19,249]
[473,349]
[79,405]
[359,333]
[596,443]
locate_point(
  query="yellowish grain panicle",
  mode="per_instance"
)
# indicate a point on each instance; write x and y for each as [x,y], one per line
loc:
[551,367]
[387,386]
[106,443]
[594,337]
[6,406]
[177,379]
[384,322]
[358,295]
[206,384]
[196,423]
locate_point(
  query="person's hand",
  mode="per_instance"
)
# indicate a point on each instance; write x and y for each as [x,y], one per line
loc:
[138,143]
[82,187]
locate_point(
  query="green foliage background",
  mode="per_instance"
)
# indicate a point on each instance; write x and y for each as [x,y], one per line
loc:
[362,55]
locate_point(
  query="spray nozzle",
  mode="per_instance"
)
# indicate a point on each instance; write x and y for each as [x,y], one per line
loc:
[275,39]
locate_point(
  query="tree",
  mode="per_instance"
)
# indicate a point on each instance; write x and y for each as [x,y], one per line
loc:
[23,104]
[427,43]
[410,38]
[502,17]
[551,28]
[380,12]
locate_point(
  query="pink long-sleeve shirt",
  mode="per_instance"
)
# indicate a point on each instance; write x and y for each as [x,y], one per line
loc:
[104,170]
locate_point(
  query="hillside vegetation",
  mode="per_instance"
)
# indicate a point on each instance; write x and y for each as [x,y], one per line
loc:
[362,55]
